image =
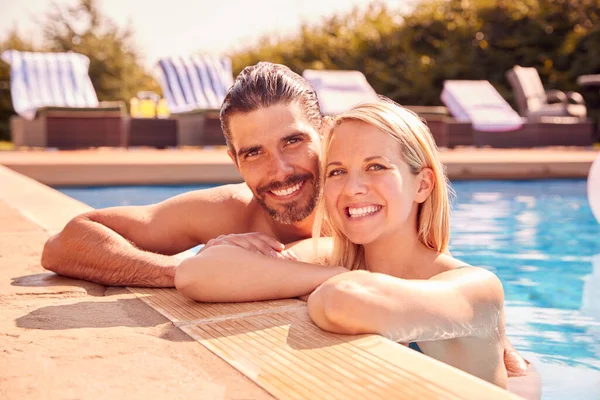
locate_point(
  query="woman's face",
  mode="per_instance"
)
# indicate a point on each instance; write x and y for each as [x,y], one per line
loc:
[369,190]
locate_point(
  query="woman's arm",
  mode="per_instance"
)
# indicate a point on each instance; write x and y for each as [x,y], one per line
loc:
[457,303]
[231,274]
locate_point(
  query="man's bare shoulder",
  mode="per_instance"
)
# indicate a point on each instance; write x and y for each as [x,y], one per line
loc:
[233,195]
[208,213]
[226,202]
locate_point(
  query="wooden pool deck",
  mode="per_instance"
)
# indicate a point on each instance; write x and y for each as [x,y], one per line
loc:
[189,166]
[63,338]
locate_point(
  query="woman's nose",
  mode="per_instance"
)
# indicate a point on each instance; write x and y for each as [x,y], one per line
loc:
[355,184]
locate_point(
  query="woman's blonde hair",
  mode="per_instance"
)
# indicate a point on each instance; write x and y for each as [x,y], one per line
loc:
[419,151]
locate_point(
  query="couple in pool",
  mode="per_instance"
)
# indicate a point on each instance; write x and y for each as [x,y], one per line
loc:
[349,213]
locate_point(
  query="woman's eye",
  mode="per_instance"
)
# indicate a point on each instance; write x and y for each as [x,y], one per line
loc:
[334,172]
[375,167]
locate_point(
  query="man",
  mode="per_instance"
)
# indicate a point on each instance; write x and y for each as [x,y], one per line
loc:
[273,127]
[272,124]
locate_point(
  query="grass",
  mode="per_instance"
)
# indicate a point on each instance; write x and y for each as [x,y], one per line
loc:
[6,145]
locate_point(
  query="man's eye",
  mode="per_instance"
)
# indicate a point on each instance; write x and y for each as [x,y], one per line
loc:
[252,153]
[293,141]
[375,167]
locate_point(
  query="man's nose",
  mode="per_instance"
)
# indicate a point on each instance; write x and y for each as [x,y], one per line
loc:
[281,167]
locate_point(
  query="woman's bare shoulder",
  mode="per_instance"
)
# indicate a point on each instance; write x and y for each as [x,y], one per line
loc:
[444,262]
[313,250]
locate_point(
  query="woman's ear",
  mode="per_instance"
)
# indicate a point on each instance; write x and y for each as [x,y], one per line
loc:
[426,183]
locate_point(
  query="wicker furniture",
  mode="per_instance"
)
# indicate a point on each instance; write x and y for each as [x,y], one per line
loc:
[195,87]
[57,105]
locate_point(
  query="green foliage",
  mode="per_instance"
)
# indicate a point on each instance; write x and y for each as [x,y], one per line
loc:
[408,57]
[115,68]
[13,41]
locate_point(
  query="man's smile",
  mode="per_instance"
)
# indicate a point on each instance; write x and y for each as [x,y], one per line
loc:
[288,192]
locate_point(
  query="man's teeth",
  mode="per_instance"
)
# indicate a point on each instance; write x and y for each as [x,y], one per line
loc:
[361,212]
[288,191]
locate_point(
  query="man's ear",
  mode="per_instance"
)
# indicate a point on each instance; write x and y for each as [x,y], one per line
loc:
[426,184]
[233,157]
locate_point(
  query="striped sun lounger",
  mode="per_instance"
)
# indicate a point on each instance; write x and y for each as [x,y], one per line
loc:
[57,105]
[195,87]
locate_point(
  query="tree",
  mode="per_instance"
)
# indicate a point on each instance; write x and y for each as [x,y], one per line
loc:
[16,42]
[115,67]
[408,57]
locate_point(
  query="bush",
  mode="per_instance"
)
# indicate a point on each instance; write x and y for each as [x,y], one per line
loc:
[408,57]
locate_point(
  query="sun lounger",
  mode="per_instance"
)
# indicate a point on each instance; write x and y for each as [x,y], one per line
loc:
[534,102]
[559,117]
[494,121]
[57,105]
[195,87]
[339,91]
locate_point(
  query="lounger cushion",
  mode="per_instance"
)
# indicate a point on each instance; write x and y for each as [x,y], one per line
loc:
[49,80]
[339,91]
[558,110]
[195,82]
[481,104]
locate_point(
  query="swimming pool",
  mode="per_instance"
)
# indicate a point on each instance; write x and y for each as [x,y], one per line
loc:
[539,237]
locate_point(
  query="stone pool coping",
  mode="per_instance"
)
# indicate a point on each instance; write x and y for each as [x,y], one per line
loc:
[197,166]
[65,338]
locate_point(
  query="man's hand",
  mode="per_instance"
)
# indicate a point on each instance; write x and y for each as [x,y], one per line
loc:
[255,242]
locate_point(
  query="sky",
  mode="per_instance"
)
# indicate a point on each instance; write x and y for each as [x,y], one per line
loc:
[178,27]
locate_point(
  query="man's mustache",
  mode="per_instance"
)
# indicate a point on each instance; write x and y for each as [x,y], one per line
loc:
[290,181]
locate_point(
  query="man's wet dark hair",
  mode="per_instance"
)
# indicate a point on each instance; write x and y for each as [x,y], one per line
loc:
[266,84]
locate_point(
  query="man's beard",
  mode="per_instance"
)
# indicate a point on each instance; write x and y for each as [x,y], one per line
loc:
[293,211]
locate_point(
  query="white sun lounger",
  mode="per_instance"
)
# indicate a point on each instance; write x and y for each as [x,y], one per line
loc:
[339,91]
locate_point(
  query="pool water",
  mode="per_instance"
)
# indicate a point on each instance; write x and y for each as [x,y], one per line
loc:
[542,241]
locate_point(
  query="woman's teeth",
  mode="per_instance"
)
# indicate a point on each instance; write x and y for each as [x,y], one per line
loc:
[288,191]
[363,211]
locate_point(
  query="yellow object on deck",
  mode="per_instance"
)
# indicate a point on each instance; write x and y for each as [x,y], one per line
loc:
[162,109]
[148,105]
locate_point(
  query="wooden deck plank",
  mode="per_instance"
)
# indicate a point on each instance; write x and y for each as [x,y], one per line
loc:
[181,310]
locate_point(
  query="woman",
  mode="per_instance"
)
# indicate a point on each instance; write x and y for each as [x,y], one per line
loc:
[386,200]
[437,310]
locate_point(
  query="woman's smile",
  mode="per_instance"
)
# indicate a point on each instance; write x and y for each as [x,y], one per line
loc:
[360,212]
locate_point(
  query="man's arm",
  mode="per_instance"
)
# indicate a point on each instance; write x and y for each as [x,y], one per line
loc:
[135,245]
[231,274]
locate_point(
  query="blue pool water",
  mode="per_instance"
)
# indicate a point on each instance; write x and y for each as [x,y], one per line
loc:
[539,237]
